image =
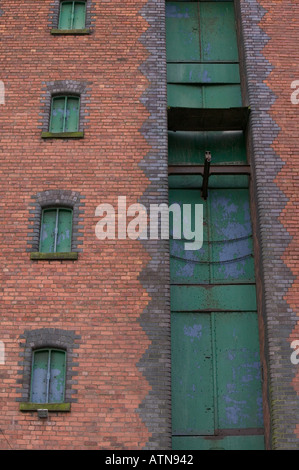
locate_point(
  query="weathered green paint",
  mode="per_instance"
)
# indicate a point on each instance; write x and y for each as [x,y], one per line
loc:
[216,377]
[37,256]
[48,406]
[201,32]
[207,74]
[48,231]
[64,114]
[215,181]
[219,443]
[227,252]
[48,376]
[192,378]
[64,235]
[202,298]
[239,393]
[57,377]
[40,364]
[72,15]
[218,34]
[190,147]
[196,96]
[56,230]
[216,373]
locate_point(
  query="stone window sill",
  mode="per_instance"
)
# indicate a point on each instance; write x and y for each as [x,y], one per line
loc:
[62,135]
[36,256]
[45,406]
[70,32]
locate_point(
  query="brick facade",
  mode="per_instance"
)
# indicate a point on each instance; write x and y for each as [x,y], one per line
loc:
[270,33]
[111,297]
[111,307]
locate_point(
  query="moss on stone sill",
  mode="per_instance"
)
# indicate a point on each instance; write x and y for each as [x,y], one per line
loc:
[45,406]
[36,256]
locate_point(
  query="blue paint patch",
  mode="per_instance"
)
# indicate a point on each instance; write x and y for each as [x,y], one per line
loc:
[172,11]
[193,332]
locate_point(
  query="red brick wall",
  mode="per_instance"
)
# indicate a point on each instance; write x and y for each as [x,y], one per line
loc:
[99,296]
[270,34]
[282,25]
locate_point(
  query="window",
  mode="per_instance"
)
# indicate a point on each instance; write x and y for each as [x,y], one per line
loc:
[72,15]
[48,376]
[56,230]
[64,114]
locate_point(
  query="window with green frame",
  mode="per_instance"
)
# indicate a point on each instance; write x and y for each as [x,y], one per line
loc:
[72,15]
[56,230]
[64,114]
[48,376]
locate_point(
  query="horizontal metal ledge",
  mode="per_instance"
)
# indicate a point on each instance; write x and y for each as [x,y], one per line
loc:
[214,170]
[207,119]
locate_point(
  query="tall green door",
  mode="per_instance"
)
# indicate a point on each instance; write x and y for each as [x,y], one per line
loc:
[216,376]
[216,372]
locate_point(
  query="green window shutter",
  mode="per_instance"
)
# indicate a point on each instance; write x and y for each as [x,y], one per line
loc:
[72,15]
[65,19]
[57,114]
[47,236]
[64,114]
[72,114]
[79,15]
[64,235]
[57,377]
[39,377]
[48,376]
[56,231]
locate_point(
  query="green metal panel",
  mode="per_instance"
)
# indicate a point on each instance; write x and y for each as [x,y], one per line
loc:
[72,114]
[190,147]
[39,376]
[215,181]
[227,252]
[219,443]
[47,237]
[65,18]
[203,73]
[231,234]
[201,31]
[182,32]
[222,297]
[238,371]
[222,96]
[57,114]
[192,378]
[64,235]
[57,377]
[79,15]
[188,266]
[230,181]
[216,379]
[185,96]
[218,32]
[197,96]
